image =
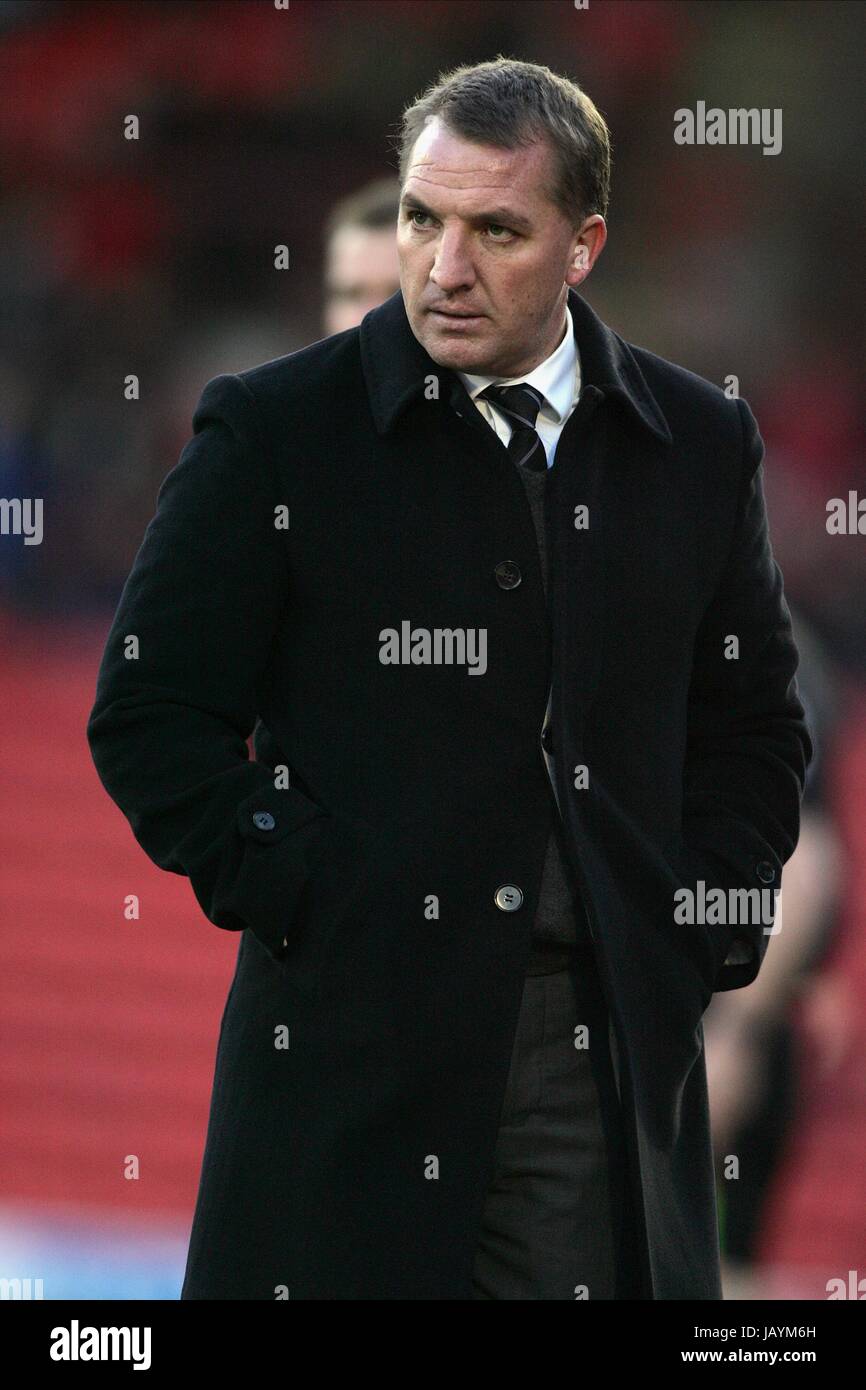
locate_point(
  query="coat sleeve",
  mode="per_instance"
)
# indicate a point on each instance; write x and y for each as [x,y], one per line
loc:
[748,745]
[179,685]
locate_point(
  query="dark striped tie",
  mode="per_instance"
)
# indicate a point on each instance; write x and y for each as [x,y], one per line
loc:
[521,405]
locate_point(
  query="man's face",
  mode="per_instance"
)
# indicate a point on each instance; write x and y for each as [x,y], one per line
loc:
[485,257]
[361,273]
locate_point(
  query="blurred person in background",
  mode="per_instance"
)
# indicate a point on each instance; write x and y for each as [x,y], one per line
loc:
[754,1066]
[361,268]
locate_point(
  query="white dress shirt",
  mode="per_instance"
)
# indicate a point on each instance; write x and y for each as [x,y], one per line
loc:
[558,380]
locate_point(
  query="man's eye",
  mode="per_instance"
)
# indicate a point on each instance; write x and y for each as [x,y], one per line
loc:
[497,227]
[416,212]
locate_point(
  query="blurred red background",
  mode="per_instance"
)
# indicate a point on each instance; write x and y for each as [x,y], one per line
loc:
[155,257]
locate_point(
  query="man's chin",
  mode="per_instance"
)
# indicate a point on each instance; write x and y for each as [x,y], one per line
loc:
[459,355]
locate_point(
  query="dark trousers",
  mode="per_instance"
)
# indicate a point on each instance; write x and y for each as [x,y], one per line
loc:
[557,1220]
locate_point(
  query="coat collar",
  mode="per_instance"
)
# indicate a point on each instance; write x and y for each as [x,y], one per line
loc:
[396,366]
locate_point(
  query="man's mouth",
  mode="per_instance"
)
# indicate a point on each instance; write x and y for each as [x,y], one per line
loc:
[456,315]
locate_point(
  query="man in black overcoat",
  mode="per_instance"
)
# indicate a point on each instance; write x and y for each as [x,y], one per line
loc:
[494,590]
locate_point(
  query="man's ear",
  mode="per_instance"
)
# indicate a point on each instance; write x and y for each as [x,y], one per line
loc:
[592,237]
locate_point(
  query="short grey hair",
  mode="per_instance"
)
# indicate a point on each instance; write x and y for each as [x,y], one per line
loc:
[508,103]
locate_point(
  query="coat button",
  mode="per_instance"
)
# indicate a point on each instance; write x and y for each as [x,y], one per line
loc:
[765,871]
[508,898]
[547,739]
[507,574]
[263,820]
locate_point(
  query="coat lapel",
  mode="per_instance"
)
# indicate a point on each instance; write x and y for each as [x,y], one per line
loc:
[398,371]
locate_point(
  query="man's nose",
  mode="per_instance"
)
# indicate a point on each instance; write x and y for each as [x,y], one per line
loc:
[452,267]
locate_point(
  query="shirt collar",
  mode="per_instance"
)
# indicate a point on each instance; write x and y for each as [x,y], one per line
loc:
[398,371]
[557,377]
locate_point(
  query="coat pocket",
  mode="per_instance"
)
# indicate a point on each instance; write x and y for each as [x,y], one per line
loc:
[296,873]
[340,884]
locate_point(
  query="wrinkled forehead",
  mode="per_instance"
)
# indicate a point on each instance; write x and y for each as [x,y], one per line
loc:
[462,175]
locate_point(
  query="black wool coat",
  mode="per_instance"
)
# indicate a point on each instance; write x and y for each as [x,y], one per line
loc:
[350,488]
